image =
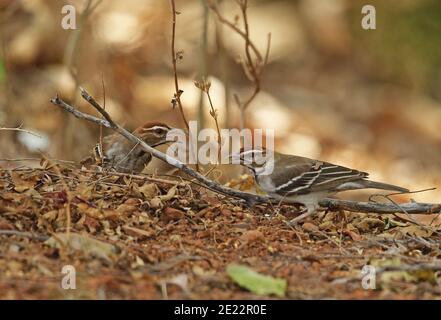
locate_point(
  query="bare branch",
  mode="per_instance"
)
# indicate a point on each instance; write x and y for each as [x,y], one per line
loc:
[204,85]
[78,114]
[373,207]
[268,47]
[231,25]
[251,199]
[178,92]
[416,267]
[39,237]
[252,67]
[109,123]
[19,128]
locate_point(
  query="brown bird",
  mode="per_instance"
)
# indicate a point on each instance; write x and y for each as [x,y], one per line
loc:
[303,180]
[119,153]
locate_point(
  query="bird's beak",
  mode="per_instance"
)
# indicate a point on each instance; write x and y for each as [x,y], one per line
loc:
[173,134]
[158,143]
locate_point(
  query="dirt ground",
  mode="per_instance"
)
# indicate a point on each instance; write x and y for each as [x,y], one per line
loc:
[143,237]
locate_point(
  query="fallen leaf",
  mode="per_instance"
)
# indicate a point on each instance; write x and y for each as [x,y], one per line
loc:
[354,236]
[171,214]
[149,190]
[367,224]
[170,194]
[416,231]
[310,227]
[252,236]
[138,233]
[83,243]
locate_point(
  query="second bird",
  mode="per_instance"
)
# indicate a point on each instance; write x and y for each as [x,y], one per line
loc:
[124,156]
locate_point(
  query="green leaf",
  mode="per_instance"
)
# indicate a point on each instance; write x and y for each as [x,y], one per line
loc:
[256,282]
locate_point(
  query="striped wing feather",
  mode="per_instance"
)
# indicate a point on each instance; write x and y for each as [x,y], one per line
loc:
[314,176]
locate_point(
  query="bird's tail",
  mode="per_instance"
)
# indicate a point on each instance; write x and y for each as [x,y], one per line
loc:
[381,185]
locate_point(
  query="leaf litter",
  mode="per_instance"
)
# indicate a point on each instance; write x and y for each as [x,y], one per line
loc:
[141,237]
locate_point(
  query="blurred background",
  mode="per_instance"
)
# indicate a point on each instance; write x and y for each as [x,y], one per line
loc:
[368,99]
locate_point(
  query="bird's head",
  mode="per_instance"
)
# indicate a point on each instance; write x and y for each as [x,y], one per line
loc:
[153,133]
[259,159]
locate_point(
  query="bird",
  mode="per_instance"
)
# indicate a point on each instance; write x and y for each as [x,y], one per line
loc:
[124,156]
[302,180]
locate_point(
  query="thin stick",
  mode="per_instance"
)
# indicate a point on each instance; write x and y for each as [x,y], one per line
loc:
[178,92]
[39,237]
[224,70]
[204,86]
[19,128]
[134,176]
[104,107]
[35,159]
[253,68]
[251,199]
[233,27]
[219,137]
[70,56]
[416,267]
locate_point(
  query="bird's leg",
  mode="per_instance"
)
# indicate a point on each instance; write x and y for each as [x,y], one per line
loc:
[311,208]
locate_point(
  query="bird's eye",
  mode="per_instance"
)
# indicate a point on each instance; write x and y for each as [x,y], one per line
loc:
[159,131]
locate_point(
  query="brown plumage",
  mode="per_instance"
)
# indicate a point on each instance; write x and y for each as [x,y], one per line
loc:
[124,156]
[304,180]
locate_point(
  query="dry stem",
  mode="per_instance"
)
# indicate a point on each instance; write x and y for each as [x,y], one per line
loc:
[19,128]
[253,67]
[178,92]
[370,207]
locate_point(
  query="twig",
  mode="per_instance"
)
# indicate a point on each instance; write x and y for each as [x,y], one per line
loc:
[251,199]
[19,128]
[134,176]
[410,219]
[178,92]
[204,86]
[34,159]
[253,68]
[372,207]
[109,123]
[214,114]
[215,9]
[70,57]
[203,65]
[416,267]
[39,237]
[224,72]
[104,107]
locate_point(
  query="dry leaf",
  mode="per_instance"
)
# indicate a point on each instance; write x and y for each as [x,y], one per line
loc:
[85,244]
[171,214]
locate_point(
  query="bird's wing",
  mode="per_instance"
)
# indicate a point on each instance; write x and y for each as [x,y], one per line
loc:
[307,175]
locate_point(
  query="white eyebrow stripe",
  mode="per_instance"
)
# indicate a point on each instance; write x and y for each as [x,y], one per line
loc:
[248,152]
[156,127]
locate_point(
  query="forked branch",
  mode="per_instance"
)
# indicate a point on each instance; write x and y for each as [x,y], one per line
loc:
[251,199]
[254,61]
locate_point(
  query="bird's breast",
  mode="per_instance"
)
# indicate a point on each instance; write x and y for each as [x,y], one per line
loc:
[266,183]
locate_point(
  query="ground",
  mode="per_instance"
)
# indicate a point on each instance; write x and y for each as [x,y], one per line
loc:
[143,237]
